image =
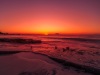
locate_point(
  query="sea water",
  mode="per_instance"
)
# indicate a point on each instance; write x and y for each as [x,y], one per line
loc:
[83,49]
[49,42]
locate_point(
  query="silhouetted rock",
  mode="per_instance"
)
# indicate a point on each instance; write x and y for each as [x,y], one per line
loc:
[1,33]
[80,52]
[64,50]
[19,40]
[67,48]
[56,47]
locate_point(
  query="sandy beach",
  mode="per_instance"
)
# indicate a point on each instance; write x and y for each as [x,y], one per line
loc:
[29,63]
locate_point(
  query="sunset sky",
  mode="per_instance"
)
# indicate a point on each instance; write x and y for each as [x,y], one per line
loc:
[50,16]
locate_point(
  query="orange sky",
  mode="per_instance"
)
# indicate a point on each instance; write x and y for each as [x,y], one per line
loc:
[45,16]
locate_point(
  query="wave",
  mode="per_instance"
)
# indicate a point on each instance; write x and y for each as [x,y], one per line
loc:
[80,39]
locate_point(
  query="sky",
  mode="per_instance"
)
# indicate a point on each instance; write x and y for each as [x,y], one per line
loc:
[50,16]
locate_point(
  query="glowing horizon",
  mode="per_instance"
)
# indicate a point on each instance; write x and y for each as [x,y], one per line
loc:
[50,16]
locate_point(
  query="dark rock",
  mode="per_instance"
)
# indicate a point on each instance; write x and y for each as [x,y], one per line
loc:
[19,40]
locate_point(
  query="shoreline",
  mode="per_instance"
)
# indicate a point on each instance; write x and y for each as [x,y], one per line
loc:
[64,63]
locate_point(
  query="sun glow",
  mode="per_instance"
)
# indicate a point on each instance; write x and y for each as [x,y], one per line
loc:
[45,33]
[47,28]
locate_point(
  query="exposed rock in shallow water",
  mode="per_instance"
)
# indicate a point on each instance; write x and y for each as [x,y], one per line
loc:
[19,40]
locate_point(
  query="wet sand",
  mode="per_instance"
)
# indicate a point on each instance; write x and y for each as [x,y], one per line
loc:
[30,63]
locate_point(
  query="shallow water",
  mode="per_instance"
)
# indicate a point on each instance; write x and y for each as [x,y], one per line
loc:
[49,42]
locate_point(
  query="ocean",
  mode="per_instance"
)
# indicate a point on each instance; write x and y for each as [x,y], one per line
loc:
[85,42]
